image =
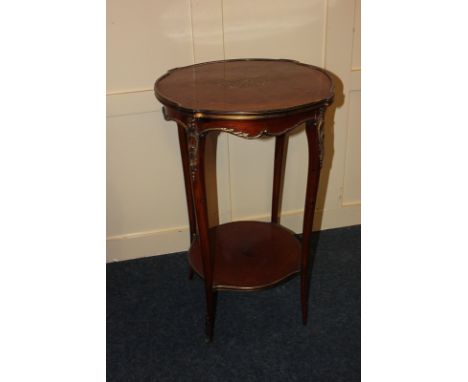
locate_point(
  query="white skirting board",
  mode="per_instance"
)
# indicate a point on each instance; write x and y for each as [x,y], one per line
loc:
[176,239]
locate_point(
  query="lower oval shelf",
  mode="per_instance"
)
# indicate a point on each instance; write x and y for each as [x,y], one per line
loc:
[249,255]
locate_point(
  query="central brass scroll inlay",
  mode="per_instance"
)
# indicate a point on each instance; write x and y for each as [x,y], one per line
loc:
[243,83]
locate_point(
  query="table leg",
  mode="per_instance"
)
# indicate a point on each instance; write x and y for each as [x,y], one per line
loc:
[309,209]
[196,144]
[278,172]
[188,188]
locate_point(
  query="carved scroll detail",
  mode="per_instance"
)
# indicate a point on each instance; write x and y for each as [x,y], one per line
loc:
[242,134]
[320,132]
[192,138]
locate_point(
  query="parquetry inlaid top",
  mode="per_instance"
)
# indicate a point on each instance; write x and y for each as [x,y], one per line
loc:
[249,86]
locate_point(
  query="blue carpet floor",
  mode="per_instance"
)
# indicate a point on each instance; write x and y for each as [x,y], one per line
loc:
[155,322]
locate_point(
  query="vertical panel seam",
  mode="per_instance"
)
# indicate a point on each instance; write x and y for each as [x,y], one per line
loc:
[354,33]
[348,111]
[222,28]
[324,41]
[191,27]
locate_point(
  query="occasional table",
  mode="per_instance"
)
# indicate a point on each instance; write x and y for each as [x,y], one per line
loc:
[250,98]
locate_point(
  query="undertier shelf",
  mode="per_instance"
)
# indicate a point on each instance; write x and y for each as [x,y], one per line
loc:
[249,255]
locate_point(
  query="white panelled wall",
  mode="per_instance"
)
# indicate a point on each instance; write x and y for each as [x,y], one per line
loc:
[146,207]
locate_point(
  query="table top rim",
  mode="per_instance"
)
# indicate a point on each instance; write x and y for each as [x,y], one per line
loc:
[169,103]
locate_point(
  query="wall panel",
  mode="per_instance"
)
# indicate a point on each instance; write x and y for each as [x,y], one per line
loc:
[144,39]
[352,176]
[274,29]
[356,64]
[144,183]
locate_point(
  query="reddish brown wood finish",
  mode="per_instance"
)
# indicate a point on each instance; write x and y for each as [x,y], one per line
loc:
[197,156]
[309,209]
[249,255]
[188,186]
[278,171]
[250,99]
[256,127]
[255,86]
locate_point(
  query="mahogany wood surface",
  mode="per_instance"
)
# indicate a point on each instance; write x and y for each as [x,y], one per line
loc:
[249,255]
[188,186]
[313,175]
[197,153]
[249,98]
[254,86]
[278,172]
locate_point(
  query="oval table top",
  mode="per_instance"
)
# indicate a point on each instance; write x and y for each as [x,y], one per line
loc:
[244,86]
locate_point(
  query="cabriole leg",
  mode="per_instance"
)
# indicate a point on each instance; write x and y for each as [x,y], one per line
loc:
[196,144]
[184,151]
[309,209]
